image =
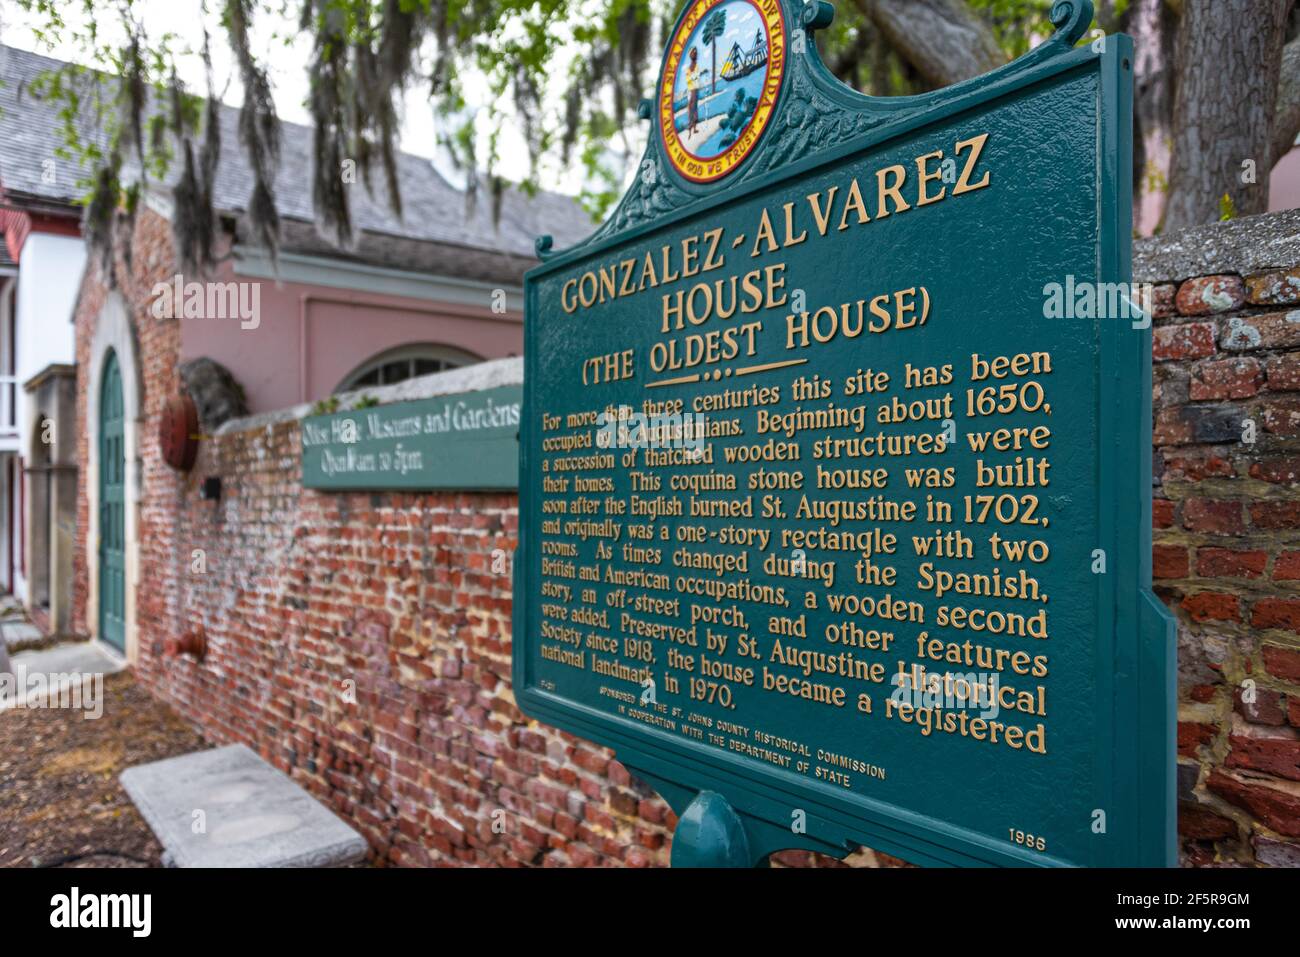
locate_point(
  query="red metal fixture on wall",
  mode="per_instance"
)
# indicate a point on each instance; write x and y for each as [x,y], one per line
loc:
[193,643]
[178,432]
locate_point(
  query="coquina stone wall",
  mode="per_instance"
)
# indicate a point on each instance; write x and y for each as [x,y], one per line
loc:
[1227,527]
[360,642]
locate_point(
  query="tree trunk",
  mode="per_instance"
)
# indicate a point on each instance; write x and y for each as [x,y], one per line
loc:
[942,40]
[1154,28]
[1229,57]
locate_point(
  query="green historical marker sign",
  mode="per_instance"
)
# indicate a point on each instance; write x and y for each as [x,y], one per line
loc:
[835,462]
[464,441]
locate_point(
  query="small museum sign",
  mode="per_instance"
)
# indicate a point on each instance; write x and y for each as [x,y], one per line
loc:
[465,441]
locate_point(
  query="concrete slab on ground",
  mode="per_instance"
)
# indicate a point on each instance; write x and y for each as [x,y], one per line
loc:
[252,814]
[60,666]
[20,634]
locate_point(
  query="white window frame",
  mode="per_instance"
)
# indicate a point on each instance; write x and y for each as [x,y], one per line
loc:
[452,358]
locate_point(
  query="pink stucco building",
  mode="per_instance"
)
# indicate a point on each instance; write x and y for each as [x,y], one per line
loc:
[1284,183]
[437,287]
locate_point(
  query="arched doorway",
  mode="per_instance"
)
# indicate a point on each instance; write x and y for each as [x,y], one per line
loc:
[112,507]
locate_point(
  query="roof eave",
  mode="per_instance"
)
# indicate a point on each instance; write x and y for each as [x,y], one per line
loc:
[38,205]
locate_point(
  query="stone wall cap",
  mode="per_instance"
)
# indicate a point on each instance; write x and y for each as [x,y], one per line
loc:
[55,370]
[476,378]
[1249,245]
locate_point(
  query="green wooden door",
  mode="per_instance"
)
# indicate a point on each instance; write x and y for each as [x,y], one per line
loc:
[112,509]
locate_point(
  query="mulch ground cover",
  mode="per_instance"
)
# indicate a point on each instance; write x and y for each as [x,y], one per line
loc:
[60,801]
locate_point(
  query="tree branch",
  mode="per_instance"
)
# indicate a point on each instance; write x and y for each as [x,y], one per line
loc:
[942,39]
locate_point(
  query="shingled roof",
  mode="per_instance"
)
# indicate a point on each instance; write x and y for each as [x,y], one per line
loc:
[434,211]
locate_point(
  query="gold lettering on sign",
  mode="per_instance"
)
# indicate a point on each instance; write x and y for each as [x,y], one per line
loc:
[894,189]
[851,544]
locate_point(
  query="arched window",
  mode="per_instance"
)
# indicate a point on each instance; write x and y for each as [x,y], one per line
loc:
[405,362]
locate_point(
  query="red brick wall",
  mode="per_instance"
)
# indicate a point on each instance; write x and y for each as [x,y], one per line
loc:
[304,593]
[158,349]
[361,642]
[1227,555]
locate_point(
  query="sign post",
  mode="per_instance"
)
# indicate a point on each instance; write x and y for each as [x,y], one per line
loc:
[835,462]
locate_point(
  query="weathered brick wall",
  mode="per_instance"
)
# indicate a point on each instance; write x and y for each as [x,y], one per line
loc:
[358,642]
[1227,528]
[158,345]
[361,642]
